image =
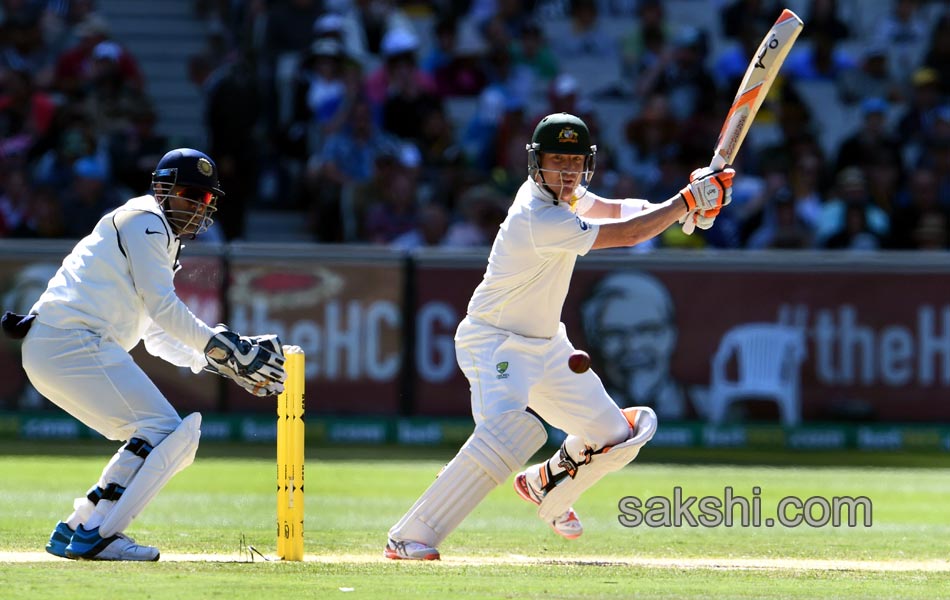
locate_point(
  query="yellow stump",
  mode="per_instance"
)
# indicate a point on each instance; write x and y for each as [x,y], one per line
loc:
[290,451]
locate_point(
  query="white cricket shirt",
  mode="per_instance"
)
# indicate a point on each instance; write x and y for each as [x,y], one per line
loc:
[118,281]
[530,265]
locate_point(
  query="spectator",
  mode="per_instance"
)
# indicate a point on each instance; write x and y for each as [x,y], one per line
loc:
[348,160]
[375,19]
[74,66]
[436,140]
[936,156]
[871,139]
[751,204]
[850,219]
[532,50]
[823,16]
[822,60]
[856,233]
[937,56]
[46,215]
[682,76]
[322,96]
[516,80]
[931,232]
[806,184]
[26,113]
[587,36]
[88,198]
[904,32]
[135,150]
[445,33]
[16,204]
[482,210]
[920,219]
[648,137]
[647,40]
[872,78]
[345,29]
[24,48]
[231,112]
[395,212]
[465,74]
[479,139]
[745,15]
[428,232]
[919,118]
[290,26]
[410,97]
[110,98]
[508,17]
[885,177]
[74,137]
[398,70]
[782,227]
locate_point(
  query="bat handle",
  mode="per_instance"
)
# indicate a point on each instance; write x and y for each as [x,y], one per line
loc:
[689,225]
[718,162]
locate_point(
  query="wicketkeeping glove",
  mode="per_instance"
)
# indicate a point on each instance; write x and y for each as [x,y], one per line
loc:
[256,363]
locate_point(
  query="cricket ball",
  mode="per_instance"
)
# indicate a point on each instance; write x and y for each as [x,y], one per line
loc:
[579,361]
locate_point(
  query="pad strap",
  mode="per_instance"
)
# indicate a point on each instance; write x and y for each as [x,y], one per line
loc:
[138,447]
[113,491]
[609,458]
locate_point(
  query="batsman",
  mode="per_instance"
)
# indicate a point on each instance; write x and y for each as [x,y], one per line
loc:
[513,349]
[114,289]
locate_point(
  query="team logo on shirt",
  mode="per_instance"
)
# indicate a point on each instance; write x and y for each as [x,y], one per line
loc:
[567,135]
[502,369]
[584,225]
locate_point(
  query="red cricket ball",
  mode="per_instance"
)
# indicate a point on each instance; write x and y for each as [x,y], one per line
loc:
[579,361]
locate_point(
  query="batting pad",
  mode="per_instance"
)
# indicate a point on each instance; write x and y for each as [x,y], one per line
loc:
[497,448]
[170,456]
[643,423]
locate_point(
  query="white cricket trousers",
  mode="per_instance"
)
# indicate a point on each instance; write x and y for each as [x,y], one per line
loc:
[507,372]
[96,381]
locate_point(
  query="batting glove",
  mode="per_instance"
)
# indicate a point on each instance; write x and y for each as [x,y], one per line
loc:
[708,189]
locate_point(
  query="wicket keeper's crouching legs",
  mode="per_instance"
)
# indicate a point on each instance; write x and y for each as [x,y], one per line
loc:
[97,382]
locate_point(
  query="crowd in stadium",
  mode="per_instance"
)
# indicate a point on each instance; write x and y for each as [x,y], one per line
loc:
[342,111]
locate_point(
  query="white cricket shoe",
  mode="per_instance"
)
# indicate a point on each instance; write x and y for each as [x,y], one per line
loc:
[397,550]
[88,544]
[568,525]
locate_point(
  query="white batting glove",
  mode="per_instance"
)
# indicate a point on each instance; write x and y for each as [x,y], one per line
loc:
[708,189]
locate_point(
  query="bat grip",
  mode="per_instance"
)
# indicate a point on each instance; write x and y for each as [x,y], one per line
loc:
[689,225]
[718,162]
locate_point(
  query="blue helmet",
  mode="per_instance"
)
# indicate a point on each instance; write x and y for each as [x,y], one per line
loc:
[193,176]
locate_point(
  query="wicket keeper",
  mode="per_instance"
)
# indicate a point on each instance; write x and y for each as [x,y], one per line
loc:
[114,289]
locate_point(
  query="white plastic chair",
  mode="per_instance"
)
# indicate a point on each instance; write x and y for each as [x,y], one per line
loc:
[768,360]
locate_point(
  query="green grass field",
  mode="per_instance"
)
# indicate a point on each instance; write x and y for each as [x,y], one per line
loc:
[501,551]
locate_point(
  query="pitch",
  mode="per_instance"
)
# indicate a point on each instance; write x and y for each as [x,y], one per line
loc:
[207,518]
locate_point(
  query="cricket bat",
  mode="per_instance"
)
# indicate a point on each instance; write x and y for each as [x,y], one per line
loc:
[755,86]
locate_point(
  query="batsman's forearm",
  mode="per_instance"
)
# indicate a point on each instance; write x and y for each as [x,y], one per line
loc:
[648,224]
